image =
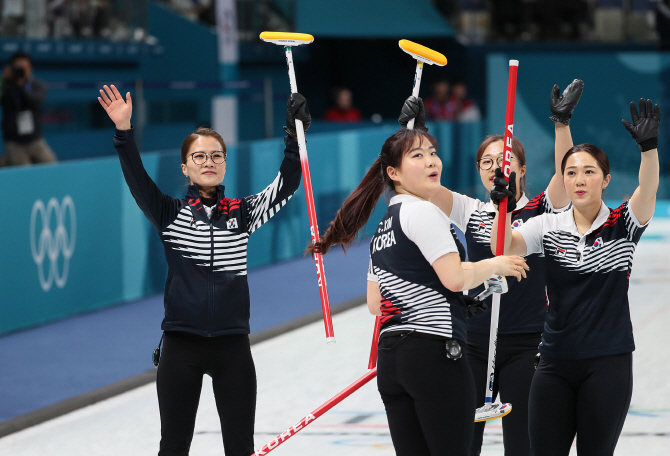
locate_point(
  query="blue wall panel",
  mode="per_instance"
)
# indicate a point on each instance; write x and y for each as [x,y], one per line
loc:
[611,81]
[71,262]
[117,255]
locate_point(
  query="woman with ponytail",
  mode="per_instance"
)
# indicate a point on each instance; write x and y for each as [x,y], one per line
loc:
[415,282]
[524,307]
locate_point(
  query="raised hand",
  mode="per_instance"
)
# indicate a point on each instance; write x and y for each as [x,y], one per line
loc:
[563,105]
[413,109]
[644,129]
[118,109]
[503,189]
[296,108]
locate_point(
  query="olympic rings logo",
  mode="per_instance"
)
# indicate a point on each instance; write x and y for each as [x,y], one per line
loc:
[50,245]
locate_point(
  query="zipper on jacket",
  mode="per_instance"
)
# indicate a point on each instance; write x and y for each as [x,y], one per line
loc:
[210,286]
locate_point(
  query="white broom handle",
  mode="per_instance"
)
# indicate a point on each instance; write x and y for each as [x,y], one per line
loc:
[299,130]
[415,90]
[493,340]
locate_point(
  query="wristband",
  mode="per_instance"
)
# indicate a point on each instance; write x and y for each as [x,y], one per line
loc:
[564,120]
[648,144]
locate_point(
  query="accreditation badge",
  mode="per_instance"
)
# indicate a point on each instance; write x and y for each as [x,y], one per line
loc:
[25,123]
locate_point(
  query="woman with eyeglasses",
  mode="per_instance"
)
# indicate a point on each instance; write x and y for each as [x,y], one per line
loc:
[416,276]
[523,307]
[205,235]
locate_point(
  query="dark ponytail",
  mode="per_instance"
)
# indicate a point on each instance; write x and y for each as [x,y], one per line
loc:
[356,209]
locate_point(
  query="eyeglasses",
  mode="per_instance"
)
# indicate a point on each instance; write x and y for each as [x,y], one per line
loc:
[486,163]
[218,157]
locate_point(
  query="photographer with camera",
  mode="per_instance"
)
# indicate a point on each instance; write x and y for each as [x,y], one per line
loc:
[21,98]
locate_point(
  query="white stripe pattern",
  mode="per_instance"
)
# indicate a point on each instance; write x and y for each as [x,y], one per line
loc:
[631,226]
[224,250]
[422,309]
[480,227]
[615,255]
[480,222]
[261,204]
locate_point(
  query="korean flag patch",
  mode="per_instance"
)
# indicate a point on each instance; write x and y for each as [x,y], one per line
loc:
[231,224]
[599,242]
[517,223]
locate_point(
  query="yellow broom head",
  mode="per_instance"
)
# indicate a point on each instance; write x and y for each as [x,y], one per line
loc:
[286,39]
[422,53]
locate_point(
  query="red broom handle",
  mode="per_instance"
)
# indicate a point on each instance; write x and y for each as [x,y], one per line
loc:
[300,425]
[311,210]
[372,363]
[507,153]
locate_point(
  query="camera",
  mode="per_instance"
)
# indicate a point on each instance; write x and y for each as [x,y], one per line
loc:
[18,72]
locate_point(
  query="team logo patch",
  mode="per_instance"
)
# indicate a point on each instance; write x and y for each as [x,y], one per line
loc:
[482,227]
[231,224]
[517,223]
[560,252]
[599,242]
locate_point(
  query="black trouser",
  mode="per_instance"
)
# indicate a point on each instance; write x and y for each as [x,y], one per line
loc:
[429,398]
[514,369]
[184,361]
[587,397]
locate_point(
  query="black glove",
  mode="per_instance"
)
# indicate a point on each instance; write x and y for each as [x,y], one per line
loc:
[474,306]
[296,108]
[413,109]
[562,106]
[500,189]
[645,126]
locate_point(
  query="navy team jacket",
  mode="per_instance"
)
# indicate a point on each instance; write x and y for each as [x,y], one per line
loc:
[206,291]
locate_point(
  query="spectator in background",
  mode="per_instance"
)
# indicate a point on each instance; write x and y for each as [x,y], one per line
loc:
[59,22]
[21,98]
[436,104]
[460,107]
[13,17]
[343,110]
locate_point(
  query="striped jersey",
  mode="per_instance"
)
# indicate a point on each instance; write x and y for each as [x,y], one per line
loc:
[411,236]
[206,291]
[524,306]
[587,281]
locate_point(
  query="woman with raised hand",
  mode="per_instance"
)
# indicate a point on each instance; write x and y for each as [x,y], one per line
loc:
[415,282]
[584,380]
[205,235]
[524,306]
